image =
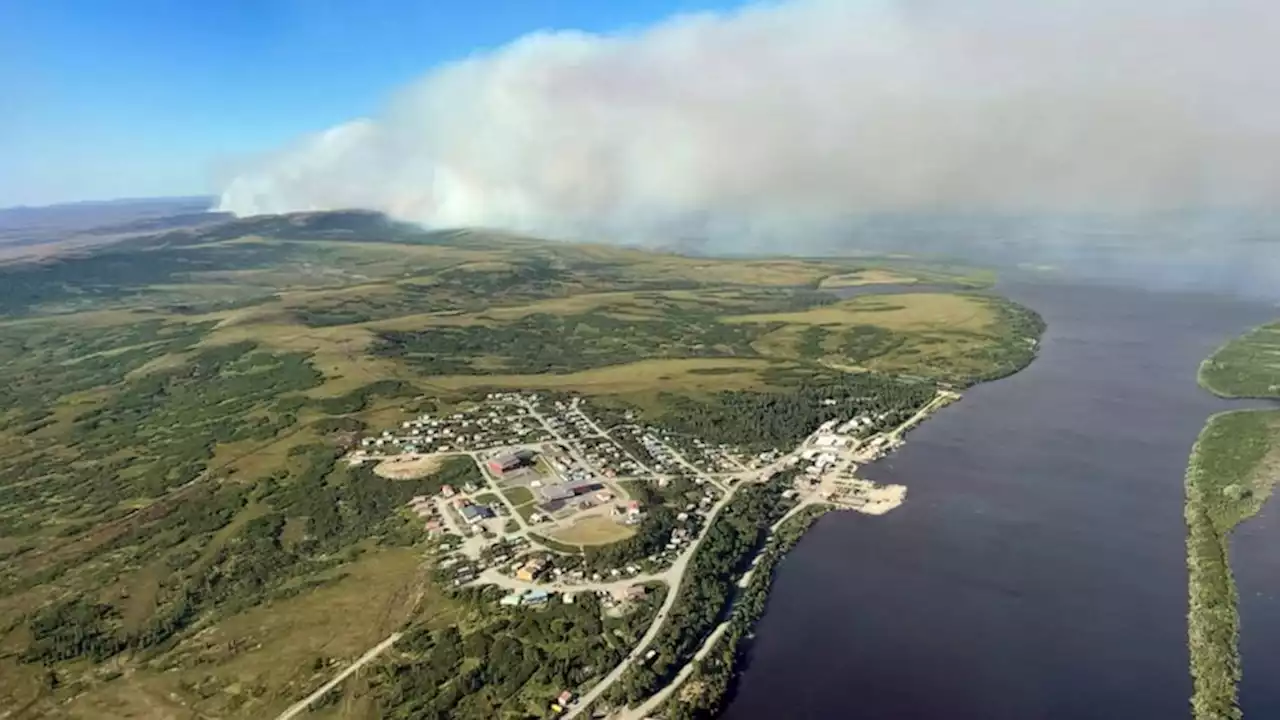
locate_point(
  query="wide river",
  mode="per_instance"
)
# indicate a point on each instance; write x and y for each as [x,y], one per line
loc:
[1037,569]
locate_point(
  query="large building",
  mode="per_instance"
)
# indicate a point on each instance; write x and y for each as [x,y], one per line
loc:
[475,513]
[511,461]
[556,492]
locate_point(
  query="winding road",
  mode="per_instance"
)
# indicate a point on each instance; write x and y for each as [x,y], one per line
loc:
[672,577]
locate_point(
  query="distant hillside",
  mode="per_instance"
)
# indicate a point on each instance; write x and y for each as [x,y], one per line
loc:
[38,231]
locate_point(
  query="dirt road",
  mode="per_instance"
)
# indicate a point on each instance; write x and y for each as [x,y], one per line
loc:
[301,706]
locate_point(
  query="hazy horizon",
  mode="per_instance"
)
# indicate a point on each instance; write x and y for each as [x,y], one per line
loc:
[783,122]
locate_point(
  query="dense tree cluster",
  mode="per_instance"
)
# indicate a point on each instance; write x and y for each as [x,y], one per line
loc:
[726,551]
[44,362]
[767,420]
[503,663]
[1227,483]
[705,691]
[860,343]
[1013,348]
[172,420]
[332,506]
[544,343]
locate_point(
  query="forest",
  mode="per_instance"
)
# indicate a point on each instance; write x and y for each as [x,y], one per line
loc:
[337,508]
[781,419]
[705,595]
[545,343]
[705,691]
[501,663]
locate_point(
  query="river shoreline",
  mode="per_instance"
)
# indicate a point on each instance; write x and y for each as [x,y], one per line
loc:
[714,674]
[1223,491]
[1230,476]
[1039,569]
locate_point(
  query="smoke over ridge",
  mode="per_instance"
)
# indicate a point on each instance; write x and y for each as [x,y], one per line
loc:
[801,115]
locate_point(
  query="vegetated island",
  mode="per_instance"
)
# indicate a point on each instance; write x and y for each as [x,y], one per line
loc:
[496,475]
[1231,473]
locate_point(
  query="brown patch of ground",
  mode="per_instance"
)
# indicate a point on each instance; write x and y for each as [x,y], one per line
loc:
[407,467]
[597,530]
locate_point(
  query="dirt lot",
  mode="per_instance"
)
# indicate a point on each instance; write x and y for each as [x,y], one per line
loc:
[407,467]
[598,530]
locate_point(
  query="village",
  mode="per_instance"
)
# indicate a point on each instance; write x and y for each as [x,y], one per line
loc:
[548,490]
[551,482]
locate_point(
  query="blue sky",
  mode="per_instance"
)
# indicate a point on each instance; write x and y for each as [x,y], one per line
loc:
[129,98]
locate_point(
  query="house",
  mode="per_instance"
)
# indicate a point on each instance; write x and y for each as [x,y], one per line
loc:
[511,600]
[531,570]
[635,592]
[536,597]
[447,491]
[475,513]
[562,701]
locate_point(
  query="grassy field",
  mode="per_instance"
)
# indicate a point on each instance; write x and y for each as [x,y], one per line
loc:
[868,277]
[1248,366]
[1233,469]
[175,522]
[518,495]
[593,531]
[942,335]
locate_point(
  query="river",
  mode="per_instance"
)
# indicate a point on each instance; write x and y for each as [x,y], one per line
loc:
[1037,569]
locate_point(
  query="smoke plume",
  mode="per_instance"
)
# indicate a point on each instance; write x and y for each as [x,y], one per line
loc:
[807,114]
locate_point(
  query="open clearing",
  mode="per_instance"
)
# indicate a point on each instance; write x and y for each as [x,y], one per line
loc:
[868,277]
[911,311]
[595,530]
[277,646]
[519,495]
[408,467]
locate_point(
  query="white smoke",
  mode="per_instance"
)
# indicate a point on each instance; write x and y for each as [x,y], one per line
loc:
[803,113]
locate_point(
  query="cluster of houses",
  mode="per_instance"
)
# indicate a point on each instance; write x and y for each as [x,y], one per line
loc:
[609,599]
[878,447]
[426,510]
[489,425]
[628,514]
[603,455]
[835,437]
[702,454]
[458,569]
[531,569]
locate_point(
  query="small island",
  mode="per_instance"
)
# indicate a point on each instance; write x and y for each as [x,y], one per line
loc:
[1231,474]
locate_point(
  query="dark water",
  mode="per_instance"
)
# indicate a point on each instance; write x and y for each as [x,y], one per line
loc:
[1255,559]
[1037,569]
